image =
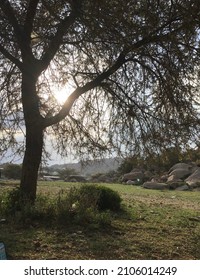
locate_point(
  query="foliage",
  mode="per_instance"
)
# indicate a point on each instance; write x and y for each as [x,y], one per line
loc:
[129,163]
[87,205]
[101,197]
[12,171]
[159,162]
[10,202]
[131,72]
[76,208]
[137,51]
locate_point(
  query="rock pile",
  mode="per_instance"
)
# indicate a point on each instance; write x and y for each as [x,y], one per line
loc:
[181,176]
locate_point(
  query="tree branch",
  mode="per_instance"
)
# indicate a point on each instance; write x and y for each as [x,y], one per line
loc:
[81,90]
[30,15]
[58,38]
[9,13]
[9,56]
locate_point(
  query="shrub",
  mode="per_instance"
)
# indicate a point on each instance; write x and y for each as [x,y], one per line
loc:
[101,197]
[11,202]
[12,171]
[87,205]
[11,206]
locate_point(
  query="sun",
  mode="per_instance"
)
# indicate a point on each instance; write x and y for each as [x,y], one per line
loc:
[61,94]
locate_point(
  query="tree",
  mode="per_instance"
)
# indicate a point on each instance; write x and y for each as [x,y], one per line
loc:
[12,171]
[133,70]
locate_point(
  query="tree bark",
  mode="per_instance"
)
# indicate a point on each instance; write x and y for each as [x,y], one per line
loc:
[31,163]
[34,138]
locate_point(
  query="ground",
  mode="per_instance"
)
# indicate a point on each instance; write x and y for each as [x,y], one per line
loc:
[154,225]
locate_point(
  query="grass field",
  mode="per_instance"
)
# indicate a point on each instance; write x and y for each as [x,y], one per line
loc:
[153,225]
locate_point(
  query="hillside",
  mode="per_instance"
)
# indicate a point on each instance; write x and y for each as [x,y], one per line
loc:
[91,167]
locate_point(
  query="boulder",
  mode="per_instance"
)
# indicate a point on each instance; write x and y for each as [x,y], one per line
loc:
[133,176]
[179,173]
[155,185]
[183,188]
[164,178]
[194,179]
[129,182]
[148,175]
[181,165]
[175,184]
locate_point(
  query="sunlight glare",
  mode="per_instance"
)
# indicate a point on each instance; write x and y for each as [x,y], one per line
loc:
[61,94]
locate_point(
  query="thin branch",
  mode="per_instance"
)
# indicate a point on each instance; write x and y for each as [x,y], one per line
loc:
[81,90]
[9,13]
[58,38]
[9,56]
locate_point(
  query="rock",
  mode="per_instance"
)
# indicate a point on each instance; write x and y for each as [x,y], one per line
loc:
[155,185]
[171,178]
[148,175]
[133,176]
[183,188]
[194,179]
[164,178]
[181,165]
[179,173]
[175,184]
[129,182]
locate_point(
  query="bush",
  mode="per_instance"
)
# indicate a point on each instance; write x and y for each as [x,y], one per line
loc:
[12,171]
[101,197]
[10,202]
[87,205]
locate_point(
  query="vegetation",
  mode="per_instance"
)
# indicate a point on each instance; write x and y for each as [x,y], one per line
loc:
[151,225]
[128,73]
[12,171]
[162,161]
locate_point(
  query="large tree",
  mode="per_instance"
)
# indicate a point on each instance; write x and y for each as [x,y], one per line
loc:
[132,66]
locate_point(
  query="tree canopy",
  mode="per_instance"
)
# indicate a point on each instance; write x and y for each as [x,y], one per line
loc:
[132,70]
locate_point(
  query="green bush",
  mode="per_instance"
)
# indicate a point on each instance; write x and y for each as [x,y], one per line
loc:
[11,206]
[87,205]
[12,171]
[101,197]
[10,202]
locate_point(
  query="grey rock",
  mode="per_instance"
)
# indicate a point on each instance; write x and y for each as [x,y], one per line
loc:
[194,179]
[181,165]
[155,185]
[133,176]
[179,173]
[183,188]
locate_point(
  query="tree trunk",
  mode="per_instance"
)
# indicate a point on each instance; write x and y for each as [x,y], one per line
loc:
[34,137]
[31,163]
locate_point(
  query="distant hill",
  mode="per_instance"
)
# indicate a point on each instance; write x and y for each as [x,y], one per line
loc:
[91,167]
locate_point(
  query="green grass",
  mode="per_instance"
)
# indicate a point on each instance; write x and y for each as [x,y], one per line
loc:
[154,225]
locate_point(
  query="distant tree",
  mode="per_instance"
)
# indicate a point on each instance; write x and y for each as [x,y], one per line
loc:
[12,171]
[131,67]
